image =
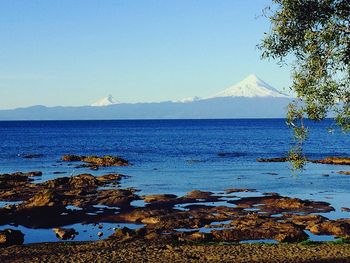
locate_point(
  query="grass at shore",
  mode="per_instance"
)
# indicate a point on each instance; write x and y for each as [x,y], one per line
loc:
[340,241]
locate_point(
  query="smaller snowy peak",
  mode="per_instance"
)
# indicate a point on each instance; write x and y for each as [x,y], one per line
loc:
[251,87]
[187,100]
[109,100]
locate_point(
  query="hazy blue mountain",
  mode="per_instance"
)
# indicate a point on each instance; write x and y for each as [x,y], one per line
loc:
[238,107]
[250,98]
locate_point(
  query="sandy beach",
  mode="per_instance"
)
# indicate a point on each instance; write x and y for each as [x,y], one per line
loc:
[110,251]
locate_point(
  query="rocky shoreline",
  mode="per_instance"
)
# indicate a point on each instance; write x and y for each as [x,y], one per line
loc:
[180,221]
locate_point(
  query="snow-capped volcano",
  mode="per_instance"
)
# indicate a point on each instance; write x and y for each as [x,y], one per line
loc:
[251,87]
[109,100]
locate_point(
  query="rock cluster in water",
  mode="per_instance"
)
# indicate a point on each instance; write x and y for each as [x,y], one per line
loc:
[95,160]
[327,160]
[196,216]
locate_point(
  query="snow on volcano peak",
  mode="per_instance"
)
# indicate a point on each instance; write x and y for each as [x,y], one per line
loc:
[109,100]
[251,87]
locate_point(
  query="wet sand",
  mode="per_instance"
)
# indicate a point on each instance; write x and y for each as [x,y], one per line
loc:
[110,251]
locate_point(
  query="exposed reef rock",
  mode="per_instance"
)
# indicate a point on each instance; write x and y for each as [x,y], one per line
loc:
[159,197]
[257,227]
[98,161]
[340,228]
[327,160]
[333,160]
[273,160]
[86,198]
[344,172]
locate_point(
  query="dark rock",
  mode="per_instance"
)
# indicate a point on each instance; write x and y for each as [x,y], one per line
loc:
[331,227]
[345,209]
[158,197]
[277,204]
[196,236]
[239,190]
[305,221]
[344,172]
[124,233]
[230,154]
[333,160]
[107,178]
[72,158]
[9,237]
[90,166]
[81,181]
[255,227]
[13,178]
[94,167]
[273,160]
[59,172]
[65,233]
[33,174]
[196,194]
[44,198]
[98,161]
[32,156]
[117,197]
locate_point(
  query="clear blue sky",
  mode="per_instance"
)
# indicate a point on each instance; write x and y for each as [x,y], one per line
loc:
[74,52]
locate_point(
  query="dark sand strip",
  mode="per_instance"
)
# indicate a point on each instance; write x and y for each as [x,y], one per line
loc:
[109,251]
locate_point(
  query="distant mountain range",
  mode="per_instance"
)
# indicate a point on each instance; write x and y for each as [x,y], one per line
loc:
[250,98]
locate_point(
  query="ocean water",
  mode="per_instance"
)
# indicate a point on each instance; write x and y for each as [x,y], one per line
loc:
[177,156]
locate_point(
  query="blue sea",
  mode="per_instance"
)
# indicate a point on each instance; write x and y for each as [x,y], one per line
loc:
[177,156]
